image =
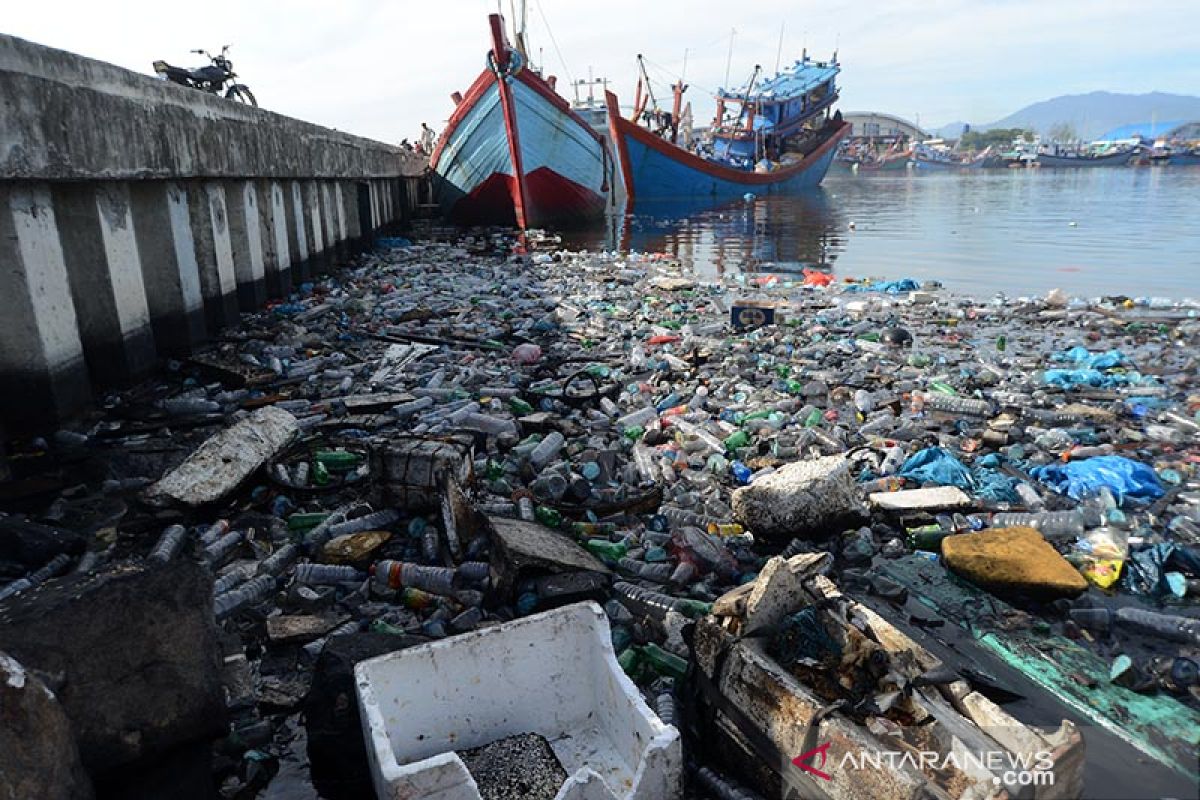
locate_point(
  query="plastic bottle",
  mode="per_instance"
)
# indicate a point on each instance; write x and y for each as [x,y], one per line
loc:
[249,593]
[405,410]
[950,404]
[638,418]
[655,604]
[723,788]
[233,578]
[314,648]
[485,423]
[168,545]
[220,550]
[550,486]
[276,563]
[214,532]
[665,707]
[181,406]
[38,577]
[367,522]
[663,662]
[657,573]
[474,571]
[1166,626]
[1054,525]
[644,461]
[327,574]
[402,574]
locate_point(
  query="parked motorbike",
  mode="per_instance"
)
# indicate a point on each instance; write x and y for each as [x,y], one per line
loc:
[211,79]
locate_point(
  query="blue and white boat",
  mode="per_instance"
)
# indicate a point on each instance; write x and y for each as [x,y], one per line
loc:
[515,153]
[774,137]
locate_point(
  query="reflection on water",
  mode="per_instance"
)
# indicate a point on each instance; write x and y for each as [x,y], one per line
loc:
[1102,231]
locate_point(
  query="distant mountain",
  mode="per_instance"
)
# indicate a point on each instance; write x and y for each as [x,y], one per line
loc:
[951,130]
[1093,114]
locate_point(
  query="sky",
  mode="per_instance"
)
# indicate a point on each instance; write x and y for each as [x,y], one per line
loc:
[379,69]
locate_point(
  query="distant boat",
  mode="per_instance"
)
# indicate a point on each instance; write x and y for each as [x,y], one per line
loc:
[514,152]
[783,140]
[1190,159]
[1076,161]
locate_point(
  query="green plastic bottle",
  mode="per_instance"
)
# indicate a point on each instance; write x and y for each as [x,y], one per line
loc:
[927,538]
[634,433]
[630,661]
[603,548]
[305,521]
[520,407]
[739,439]
[664,663]
[337,460]
[942,388]
[548,516]
[1001,343]
[814,418]
[320,474]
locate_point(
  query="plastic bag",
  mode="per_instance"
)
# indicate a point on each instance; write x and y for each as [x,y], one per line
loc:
[1124,477]
[1082,357]
[939,466]
[1150,569]
[888,287]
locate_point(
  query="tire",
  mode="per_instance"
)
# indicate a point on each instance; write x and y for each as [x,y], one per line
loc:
[241,94]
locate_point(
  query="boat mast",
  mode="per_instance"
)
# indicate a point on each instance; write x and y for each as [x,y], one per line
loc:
[779,51]
[519,29]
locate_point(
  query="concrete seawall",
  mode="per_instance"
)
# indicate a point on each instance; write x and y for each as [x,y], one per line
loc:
[138,217]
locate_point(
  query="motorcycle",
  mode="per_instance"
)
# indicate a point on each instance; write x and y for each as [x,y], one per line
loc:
[211,79]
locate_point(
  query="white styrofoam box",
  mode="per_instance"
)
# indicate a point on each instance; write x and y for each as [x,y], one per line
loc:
[554,674]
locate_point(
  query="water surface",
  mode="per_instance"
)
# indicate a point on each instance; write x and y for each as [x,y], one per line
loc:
[1120,231]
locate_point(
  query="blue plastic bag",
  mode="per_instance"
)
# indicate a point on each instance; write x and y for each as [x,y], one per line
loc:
[1123,477]
[888,287]
[1082,357]
[1149,570]
[937,465]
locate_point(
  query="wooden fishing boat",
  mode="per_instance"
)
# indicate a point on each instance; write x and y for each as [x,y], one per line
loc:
[1119,159]
[515,153]
[783,139]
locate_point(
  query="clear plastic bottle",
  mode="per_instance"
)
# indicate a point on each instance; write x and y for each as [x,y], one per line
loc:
[220,550]
[474,571]
[233,578]
[547,449]
[723,788]
[485,423]
[249,593]
[638,418]
[656,604]
[1172,627]
[367,522]
[168,545]
[327,574]
[949,404]
[278,562]
[37,577]
[402,575]
[656,573]
[1054,525]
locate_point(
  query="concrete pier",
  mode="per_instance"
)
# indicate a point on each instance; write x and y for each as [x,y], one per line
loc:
[138,217]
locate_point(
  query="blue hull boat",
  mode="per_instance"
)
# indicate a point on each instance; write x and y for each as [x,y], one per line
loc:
[654,168]
[770,137]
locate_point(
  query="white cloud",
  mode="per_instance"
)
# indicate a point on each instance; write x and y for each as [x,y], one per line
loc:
[381,68]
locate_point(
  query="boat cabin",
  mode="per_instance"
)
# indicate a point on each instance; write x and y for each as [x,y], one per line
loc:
[764,120]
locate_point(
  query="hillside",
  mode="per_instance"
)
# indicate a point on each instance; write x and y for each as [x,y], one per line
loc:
[1094,113]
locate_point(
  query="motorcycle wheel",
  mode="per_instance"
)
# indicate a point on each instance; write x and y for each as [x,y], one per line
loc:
[241,94]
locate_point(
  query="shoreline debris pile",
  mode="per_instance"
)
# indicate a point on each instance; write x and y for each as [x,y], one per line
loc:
[445,437]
